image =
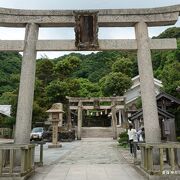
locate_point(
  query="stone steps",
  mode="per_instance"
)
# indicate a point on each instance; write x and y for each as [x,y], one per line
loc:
[94,132]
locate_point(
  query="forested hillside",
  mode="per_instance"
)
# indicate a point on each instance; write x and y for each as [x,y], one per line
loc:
[166,64]
[93,75]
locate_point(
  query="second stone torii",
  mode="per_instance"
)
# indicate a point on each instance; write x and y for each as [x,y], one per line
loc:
[116,103]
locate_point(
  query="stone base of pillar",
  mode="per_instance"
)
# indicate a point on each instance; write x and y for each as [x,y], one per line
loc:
[156,156]
[78,138]
[54,145]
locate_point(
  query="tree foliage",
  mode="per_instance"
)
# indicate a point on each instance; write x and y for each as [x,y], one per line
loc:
[66,67]
[123,65]
[88,88]
[115,83]
[10,63]
[170,77]
[44,70]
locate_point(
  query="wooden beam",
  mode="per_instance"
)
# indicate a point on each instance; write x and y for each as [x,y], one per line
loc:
[92,107]
[89,107]
[92,99]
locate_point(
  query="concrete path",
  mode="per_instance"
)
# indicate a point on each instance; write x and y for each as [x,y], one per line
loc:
[88,159]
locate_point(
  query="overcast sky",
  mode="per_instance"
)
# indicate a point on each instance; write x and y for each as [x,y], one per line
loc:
[68,33]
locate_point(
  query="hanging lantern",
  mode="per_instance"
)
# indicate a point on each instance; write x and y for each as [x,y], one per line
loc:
[97,113]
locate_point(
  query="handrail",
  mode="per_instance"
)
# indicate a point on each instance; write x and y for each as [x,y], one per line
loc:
[16,159]
[167,153]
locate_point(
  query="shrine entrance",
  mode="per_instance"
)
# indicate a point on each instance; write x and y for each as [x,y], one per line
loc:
[86,24]
[96,118]
[109,106]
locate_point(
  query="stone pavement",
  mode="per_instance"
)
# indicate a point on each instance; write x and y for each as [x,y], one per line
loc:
[88,159]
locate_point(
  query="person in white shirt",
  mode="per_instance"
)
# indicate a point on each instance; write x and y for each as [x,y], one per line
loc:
[132,134]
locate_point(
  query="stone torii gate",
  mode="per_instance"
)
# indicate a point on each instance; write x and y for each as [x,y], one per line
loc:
[86,25]
[80,104]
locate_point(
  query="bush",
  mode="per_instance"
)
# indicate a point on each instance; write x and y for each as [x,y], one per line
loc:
[123,139]
[178,138]
[123,135]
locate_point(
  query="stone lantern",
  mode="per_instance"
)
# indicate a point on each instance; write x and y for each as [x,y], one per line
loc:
[55,114]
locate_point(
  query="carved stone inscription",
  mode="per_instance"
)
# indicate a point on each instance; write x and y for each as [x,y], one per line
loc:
[86,30]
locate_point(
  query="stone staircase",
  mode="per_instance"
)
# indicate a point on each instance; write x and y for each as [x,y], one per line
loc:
[97,132]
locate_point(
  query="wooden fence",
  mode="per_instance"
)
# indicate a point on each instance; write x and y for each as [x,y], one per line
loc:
[5,132]
[16,160]
[160,158]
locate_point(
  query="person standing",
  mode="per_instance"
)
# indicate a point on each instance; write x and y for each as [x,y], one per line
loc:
[132,134]
[141,135]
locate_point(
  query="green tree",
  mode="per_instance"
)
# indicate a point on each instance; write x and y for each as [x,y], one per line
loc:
[10,63]
[162,58]
[115,83]
[44,70]
[39,113]
[57,90]
[88,89]
[40,94]
[67,66]
[173,32]
[123,65]
[170,77]
[95,66]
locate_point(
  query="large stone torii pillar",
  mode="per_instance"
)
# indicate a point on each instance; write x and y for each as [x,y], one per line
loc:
[150,114]
[26,88]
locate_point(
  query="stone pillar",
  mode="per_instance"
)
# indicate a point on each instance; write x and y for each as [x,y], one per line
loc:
[120,119]
[69,122]
[124,116]
[172,127]
[125,122]
[60,123]
[56,116]
[26,88]
[79,120]
[114,120]
[136,124]
[150,114]
[55,131]
[55,121]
